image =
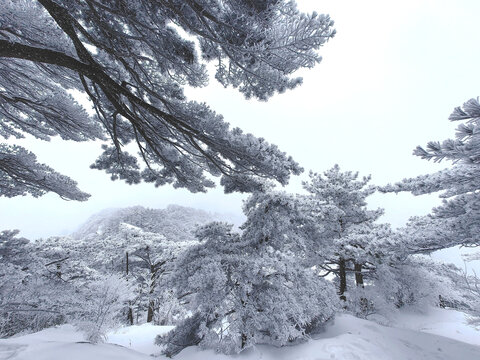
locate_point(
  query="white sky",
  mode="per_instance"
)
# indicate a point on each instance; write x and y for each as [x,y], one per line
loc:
[388,82]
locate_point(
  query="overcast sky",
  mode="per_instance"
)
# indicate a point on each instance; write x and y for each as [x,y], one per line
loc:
[387,83]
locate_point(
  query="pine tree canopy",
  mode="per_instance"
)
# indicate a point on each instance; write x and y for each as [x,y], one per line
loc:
[457,220]
[132,60]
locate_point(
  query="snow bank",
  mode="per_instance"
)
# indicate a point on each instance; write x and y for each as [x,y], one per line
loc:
[62,343]
[349,338]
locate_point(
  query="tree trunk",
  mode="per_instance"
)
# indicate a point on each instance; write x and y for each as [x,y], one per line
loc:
[364,304]
[150,312]
[130,310]
[59,271]
[151,303]
[244,341]
[342,272]
[358,275]
[130,315]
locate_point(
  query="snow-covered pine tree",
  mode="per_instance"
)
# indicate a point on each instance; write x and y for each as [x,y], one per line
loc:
[282,230]
[62,284]
[21,174]
[347,225]
[457,220]
[34,292]
[44,282]
[151,258]
[137,243]
[17,267]
[131,61]
[471,288]
[253,288]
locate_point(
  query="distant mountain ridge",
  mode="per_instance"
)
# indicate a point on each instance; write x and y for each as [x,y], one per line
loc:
[175,222]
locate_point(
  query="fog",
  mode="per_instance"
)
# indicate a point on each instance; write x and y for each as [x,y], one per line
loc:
[387,83]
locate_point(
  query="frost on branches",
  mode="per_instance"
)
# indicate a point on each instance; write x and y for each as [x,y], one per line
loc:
[253,288]
[99,303]
[131,61]
[34,291]
[21,174]
[142,244]
[349,228]
[110,273]
[457,220]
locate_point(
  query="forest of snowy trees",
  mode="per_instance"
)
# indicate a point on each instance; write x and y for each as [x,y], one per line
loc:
[297,260]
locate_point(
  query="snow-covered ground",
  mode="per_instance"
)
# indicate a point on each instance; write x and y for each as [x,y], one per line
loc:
[435,335]
[448,323]
[63,343]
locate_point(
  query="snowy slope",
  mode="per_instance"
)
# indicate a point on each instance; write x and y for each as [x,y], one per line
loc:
[348,338]
[448,323]
[356,339]
[63,343]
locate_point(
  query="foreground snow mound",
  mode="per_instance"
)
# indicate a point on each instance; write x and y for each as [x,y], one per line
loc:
[72,351]
[62,343]
[349,338]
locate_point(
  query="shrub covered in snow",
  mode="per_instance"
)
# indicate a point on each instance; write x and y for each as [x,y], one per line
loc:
[100,304]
